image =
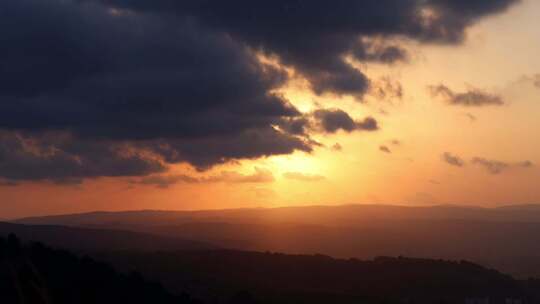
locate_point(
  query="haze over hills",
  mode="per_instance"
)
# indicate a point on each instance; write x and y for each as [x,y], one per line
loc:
[507,238]
[335,215]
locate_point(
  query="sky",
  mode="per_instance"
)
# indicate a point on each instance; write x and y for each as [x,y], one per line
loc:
[134,104]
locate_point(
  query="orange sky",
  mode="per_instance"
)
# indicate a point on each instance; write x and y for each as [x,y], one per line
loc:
[500,56]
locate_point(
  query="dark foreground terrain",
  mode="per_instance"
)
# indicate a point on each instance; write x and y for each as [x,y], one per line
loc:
[35,273]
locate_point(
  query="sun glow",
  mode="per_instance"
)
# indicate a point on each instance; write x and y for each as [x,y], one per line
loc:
[297,162]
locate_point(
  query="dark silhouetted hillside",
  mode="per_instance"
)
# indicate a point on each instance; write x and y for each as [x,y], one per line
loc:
[280,278]
[36,274]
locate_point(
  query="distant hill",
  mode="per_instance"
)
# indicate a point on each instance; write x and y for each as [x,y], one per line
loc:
[319,215]
[36,274]
[84,239]
[506,238]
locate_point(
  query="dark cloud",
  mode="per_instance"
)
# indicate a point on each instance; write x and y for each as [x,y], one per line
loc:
[110,79]
[295,125]
[396,142]
[333,120]
[470,98]
[303,34]
[165,181]
[453,160]
[385,149]
[497,167]
[303,177]
[93,88]
[249,144]
[61,159]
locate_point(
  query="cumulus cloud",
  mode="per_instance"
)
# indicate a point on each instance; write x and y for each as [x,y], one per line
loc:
[453,160]
[496,167]
[94,88]
[470,98]
[165,181]
[314,42]
[303,177]
[61,159]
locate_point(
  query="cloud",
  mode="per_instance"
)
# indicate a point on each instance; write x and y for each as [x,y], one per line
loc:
[333,120]
[165,181]
[385,149]
[496,167]
[303,177]
[471,117]
[130,82]
[295,125]
[94,88]
[453,160]
[470,98]
[386,89]
[64,160]
[315,42]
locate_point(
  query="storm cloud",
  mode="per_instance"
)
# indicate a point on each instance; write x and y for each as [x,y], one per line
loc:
[314,36]
[93,88]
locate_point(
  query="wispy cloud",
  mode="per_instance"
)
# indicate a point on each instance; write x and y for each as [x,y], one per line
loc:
[384,149]
[453,160]
[164,181]
[497,167]
[471,98]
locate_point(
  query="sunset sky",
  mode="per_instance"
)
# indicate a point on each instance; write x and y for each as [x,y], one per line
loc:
[132,104]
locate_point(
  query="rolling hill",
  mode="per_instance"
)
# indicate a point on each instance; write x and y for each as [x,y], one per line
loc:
[506,238]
